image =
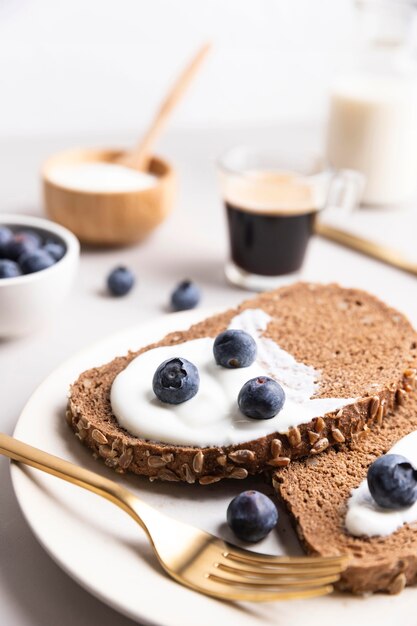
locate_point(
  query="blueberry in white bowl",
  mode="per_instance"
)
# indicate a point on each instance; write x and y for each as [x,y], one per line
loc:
[33,283]
[35,261]
[6,235]
[22,242]
[252,515]
[175,381]
[234,348]
[55,249]
[392,481]
[9,269]
[185,296]
[261,398]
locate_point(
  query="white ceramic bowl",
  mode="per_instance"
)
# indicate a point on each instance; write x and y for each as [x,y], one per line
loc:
[27,302]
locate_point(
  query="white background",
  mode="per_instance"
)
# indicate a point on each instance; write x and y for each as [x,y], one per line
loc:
[103,65]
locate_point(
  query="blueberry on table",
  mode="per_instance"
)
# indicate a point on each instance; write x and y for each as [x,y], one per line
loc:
[6,235]
[234,348]
[175,381]
[185,296]
[55,249]
[35,261]
[22,242]
[120,281]
[251,515]
[9,269]
[392,481]
[261,398]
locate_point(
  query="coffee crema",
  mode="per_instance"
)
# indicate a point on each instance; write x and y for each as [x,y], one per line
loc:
[271,218]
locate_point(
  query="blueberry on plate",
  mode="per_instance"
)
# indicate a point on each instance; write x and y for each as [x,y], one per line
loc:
[261,398]
[6,235]
[234,348]
[35,261]
[120,281]
[251,515]
[185,296]
[392,481]
[22,242]
[55,249]
[175,381]
[9,269]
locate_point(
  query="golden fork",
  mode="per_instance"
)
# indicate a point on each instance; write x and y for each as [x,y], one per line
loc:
[192,557]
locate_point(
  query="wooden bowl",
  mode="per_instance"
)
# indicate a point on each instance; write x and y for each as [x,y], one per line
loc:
[108,218]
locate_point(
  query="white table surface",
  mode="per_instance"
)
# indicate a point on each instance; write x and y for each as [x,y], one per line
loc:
[192,243]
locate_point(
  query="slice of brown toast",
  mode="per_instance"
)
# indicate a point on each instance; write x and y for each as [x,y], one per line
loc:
[316,493]
[363,349]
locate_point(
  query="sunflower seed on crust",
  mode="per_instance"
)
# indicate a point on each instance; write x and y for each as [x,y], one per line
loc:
[320,445]
[222,460]
[238,472]
[313,437]
[82,434]
[280,461]
[167,474]
[106,452]
[294,436]
[126,458]
[373,407]
[242,456]
[198,462]
[156,461]
[84,423]
[400,396]
[98,436]
[276,447]
[320,425]
[380,413]
[337,435]
[188,474]
[208,480]
[398,584]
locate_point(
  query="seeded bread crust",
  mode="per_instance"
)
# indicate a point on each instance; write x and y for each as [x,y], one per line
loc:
[362,347]
[316,493]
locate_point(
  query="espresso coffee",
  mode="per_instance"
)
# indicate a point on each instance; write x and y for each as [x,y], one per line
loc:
[268,244]
[271,218]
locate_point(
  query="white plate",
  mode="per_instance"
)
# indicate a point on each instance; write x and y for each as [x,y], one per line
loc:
[102,548]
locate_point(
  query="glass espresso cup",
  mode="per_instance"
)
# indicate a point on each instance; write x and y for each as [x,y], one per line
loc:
[271,204]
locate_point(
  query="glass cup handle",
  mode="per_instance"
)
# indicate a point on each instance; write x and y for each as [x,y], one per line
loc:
[345,190]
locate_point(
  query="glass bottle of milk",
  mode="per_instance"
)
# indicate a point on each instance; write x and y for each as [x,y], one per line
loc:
[373,108]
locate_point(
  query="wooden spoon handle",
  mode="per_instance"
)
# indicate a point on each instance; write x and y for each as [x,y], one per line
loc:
[139,157]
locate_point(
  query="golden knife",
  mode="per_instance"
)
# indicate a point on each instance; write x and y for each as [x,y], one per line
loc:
[388,255]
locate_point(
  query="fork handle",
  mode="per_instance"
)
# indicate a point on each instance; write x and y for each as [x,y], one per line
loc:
[108,489]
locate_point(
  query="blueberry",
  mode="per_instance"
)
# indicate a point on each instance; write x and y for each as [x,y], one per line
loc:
[9,269]
[55,249]
[261,398]
[120,281]
[251,515]
[22,243]
[35,261]
[234,348]
[6,235]
[392,481]
[185,296]
[175,381]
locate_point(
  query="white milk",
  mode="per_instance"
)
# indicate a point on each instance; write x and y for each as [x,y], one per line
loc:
[100,177]
[373,129]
